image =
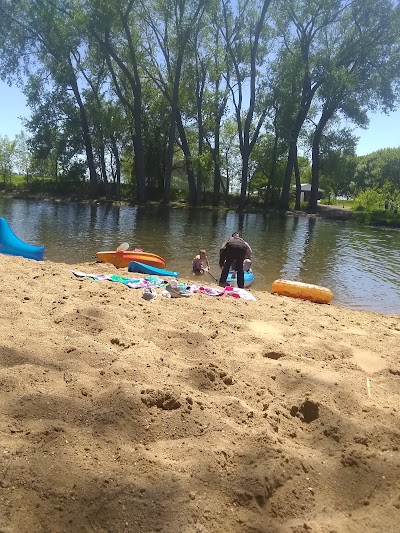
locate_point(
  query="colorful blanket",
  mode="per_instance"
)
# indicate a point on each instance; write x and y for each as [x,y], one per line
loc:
[154,281]
[132,283]
[229,291]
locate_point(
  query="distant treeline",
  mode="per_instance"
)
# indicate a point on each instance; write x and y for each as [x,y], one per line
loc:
[199,98]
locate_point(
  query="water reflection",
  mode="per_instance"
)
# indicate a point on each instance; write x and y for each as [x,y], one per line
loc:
[359,264]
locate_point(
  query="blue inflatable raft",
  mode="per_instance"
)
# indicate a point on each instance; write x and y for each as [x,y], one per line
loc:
[141,268]
[248,279]
[10,244]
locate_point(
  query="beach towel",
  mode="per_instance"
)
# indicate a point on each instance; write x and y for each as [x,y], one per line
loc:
[172,287]
[235,292]
[131,283]
[239,293]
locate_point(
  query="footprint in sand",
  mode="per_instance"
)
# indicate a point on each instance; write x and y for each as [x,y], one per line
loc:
[368,361]
[266,330]
[249,349]
[354,331]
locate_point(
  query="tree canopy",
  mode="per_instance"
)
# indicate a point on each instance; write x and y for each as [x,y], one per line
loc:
[224,93]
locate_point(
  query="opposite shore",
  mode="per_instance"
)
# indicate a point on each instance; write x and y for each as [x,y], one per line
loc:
[331,212]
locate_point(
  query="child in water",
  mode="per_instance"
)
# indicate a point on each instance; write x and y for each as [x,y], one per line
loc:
[246,267]
[200,263]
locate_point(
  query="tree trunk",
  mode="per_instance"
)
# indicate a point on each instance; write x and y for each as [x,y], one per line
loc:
[200,84]
[247,144]
[117,166]
[327,113]
[217,175]
[298,184]
[306,98]
[139,147]
[169,160]
[184,38]
[218,111]
[227,179]
[287,180]
[199,182]
[219,106]
[188,161]
[272,176]
[223,188]
[103,163]
[245,174]
[137,140]
[217,163]
[172,126]
[85,133]
[267,197]
[136,85]
[134,109]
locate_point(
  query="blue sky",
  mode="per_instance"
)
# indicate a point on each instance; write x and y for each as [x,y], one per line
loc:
[383,131]
[12,106]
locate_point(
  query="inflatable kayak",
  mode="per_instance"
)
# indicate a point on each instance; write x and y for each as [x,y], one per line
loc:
[134,266]
[306,291]
[248,278]
[10,244]
[121,259]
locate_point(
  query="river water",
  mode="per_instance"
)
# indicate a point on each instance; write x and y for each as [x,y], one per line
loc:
[359,264]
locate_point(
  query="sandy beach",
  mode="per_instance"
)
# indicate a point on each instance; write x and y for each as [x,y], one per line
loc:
[201,414]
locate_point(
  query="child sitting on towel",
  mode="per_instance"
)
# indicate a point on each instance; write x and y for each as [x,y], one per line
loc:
[200,263]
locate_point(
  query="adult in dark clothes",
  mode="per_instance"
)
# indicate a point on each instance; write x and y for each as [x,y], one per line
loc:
[233,249]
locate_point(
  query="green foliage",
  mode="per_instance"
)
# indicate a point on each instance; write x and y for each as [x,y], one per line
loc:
[377,218]
[304,206]
[41,186]
[373,200]
[17,181]
[105,75]
[7,153]
[378,169]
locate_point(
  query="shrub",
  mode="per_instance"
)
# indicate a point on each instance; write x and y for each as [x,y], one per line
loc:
[369,200]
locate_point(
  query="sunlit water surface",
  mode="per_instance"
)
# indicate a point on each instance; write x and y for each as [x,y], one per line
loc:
[359,264]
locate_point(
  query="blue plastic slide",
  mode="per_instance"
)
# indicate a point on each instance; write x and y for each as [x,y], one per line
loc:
[134,266]
[10,244]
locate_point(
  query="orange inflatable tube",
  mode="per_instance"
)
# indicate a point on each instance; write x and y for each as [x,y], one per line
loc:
[306,291]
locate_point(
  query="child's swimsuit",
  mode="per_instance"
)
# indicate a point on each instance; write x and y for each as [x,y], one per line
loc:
[196,268]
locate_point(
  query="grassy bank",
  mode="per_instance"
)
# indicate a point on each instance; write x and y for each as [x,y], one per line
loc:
[371,213]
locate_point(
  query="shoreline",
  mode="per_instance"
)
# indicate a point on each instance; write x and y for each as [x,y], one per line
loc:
[192,414]
[330,212]
[324,211]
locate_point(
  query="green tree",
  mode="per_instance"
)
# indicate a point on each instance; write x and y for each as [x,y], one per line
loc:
[245,38]
[55,135]
[7,154]
[337,161]
[268,159]
[377,169]
[171,24]
[50,33]
[113,28]
[23,156]
[215,96]
[302,27]
[361,69]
